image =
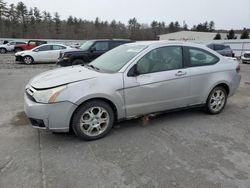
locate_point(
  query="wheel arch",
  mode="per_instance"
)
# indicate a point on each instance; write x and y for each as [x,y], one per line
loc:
[225,85]
[108,101]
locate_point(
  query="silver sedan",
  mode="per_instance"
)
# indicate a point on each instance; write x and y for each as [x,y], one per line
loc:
[130,81]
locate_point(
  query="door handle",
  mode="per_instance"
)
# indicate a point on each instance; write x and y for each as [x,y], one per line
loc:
[180,73]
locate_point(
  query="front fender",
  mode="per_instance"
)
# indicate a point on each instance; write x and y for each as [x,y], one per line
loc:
[119,105]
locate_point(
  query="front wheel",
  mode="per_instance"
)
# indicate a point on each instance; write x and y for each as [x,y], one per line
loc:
[216,100]
[93,120]
[78,62]
[28,60]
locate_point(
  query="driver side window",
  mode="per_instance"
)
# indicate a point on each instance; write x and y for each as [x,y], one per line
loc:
[161,59]
[101,46]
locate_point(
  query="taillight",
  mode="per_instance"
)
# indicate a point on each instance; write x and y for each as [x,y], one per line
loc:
[238,68]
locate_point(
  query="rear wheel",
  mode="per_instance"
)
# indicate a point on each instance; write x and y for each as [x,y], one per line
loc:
[93,120]
[3,51]
[28,60]
[217,100]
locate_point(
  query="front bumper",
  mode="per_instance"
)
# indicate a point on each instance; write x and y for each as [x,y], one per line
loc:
[245,60]
[63,62]
[55,117]
[19,58]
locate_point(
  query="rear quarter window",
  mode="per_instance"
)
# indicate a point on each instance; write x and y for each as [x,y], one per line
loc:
[200,57]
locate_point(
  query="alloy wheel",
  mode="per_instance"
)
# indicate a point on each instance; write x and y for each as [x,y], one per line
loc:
[94,121]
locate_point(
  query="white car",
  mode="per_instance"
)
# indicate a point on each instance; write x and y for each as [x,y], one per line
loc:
[4,48]
[43,53]
[245,58]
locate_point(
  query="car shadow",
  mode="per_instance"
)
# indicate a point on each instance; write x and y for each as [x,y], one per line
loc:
[138,124]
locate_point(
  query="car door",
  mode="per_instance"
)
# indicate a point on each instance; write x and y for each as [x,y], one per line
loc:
[42,53]
[99,48]
[162,83]
[55,52]
[30,45]
[202,66]
[10,46]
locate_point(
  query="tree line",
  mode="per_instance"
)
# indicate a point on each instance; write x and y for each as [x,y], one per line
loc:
[19,21]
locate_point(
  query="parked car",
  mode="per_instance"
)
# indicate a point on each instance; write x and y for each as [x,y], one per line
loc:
[89,51]
[4,48]
[245,58]
[43,53]
[28,46]
[222,49]
[130,81]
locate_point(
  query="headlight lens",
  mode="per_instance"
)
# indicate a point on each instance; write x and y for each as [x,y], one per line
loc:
[49,95]
[66,58]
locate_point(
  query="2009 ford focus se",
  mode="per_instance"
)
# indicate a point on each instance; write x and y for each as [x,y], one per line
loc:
[129,81]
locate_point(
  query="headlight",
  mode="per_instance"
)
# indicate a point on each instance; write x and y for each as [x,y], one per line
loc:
[66,58]
[49,95]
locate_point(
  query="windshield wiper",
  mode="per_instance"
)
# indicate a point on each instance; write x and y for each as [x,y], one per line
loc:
[92,66]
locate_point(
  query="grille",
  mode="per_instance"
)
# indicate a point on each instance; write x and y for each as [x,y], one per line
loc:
[247,55]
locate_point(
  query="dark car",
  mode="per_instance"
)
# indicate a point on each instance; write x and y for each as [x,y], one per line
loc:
[222,49]
[30,45]
[89,51]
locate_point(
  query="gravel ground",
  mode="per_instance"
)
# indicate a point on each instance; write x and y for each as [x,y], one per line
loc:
[186,149]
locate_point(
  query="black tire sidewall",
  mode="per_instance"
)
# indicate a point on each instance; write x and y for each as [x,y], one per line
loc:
[75,123]
[208,108]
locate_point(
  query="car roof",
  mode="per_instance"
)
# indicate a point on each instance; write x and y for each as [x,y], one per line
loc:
[166,42]
[53,44]
[125,40]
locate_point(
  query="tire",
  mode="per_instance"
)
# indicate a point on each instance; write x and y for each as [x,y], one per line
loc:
[3,51]
[18,50]
[88,125]
[78,62]
[28,60]
[216,100]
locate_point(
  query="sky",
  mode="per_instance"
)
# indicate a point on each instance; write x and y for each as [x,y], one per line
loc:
[226,14]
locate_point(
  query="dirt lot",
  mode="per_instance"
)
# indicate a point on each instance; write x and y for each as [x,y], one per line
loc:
[187,149]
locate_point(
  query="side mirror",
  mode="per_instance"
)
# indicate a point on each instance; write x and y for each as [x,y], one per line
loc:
[133,72]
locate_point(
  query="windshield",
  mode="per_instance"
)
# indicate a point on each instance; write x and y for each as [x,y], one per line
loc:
[114,60]
[86,45]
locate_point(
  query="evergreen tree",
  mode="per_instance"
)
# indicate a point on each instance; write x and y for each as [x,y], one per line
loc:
[244,34]
[231,35]
[217,36]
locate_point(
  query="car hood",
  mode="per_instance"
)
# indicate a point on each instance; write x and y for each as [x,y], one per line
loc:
[62,76]
[22,52]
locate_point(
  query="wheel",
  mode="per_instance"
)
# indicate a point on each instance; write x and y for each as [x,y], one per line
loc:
[78,62]
[3,51]
[216,100]
[93,120]
[18,50]
[28,60]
